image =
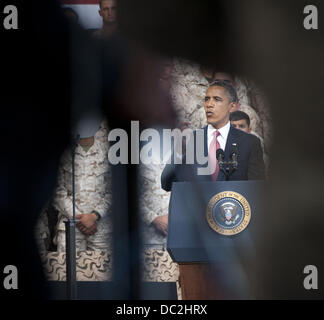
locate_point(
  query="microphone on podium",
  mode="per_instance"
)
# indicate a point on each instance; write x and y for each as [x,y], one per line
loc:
[234,155]
[220,156]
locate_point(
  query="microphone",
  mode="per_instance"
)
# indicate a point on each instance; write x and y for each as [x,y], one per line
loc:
[234,155]
[220,156]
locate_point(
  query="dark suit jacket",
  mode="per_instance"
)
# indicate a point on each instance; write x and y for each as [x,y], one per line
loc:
[250,161]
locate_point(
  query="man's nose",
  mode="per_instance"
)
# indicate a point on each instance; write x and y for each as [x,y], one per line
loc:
[209,104]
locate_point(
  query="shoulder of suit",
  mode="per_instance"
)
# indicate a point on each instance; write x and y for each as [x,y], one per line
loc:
[242,134]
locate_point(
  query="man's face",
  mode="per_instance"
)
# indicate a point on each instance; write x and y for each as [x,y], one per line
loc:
[241,124]
[108,11]
[217,106]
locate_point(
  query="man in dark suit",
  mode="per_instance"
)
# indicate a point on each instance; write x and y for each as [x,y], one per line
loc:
[220,100]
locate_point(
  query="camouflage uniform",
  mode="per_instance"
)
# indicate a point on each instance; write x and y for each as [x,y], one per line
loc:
[154,202]
[92,192]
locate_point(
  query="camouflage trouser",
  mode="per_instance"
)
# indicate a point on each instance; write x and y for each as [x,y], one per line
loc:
[101,240]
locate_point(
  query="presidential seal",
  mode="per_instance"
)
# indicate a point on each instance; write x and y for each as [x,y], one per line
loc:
[228,213]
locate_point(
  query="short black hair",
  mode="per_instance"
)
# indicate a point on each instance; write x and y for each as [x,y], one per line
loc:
[231,92]
[239,115]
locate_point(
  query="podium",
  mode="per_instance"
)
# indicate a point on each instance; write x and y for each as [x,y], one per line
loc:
[211,227]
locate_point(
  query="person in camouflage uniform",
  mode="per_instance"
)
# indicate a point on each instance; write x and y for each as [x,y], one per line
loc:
[154,205]
[92,194]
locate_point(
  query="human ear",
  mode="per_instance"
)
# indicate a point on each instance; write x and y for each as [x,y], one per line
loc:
[233,107]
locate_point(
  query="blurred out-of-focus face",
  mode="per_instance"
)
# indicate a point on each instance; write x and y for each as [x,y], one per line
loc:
[166,69]
[241,125]
[222,76]
[108,11]
[217,106]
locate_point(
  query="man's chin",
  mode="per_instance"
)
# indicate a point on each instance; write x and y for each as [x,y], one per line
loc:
[211,122]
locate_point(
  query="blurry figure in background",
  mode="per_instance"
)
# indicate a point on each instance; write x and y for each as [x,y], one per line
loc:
[188,87]
[71,14]
[108,13]
[167,67]
[154,203]
[240,120]
[93,193]
[207,72]
[154,200]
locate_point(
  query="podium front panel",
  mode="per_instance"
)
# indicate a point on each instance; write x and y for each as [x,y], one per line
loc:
[192,239]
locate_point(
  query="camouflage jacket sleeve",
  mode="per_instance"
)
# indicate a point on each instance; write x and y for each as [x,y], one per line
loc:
[103,205]
[148,215]
[154,201]
[103,196]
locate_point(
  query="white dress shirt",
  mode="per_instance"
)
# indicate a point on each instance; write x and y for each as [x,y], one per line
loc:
[222,138]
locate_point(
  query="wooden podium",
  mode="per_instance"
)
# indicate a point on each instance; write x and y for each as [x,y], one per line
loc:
[197,282]
[208,260]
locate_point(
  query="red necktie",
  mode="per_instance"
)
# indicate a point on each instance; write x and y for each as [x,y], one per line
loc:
[214,145]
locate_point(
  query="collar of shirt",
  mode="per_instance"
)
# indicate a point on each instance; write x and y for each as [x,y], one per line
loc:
[222,138]
[100,137]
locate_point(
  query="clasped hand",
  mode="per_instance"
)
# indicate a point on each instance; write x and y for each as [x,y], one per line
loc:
[87,224]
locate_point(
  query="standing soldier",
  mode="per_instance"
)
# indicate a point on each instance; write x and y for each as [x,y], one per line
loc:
[92,193]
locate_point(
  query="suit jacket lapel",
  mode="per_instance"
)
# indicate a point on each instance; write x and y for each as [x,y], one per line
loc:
[231,138]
